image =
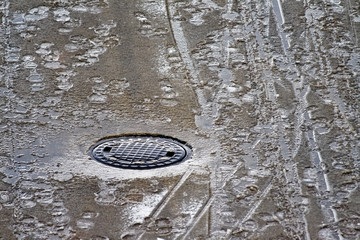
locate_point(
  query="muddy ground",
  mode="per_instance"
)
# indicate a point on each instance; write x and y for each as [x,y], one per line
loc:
[266,93]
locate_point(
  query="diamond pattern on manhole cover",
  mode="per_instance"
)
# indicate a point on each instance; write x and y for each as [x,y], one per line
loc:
[140,152]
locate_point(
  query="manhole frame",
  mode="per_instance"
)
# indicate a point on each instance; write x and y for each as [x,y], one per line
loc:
[188,151]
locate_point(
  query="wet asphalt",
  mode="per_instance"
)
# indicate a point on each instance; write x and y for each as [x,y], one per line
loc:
[264,93]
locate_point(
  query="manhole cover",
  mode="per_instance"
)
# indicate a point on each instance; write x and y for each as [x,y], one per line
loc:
[140,152]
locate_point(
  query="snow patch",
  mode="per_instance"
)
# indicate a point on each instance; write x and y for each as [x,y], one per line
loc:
[143,210]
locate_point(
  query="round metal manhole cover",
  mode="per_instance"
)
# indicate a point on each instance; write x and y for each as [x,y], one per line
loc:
[140,152]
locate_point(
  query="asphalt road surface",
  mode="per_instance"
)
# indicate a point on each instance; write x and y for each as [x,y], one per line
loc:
[266,93]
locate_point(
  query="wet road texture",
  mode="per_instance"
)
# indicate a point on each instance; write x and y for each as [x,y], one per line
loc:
[266,92]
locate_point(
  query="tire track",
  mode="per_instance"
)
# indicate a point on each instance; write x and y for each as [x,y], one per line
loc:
[168,197]
[270,95]
[253,208]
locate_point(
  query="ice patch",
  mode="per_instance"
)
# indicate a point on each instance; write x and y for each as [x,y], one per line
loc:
[144,209]
[37,14]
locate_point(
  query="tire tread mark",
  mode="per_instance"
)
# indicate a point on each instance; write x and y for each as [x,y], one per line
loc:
[167,198]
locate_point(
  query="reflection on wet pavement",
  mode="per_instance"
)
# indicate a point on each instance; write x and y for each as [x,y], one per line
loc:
[266,93]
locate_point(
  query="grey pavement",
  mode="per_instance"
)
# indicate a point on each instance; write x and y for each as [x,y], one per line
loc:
[266,93]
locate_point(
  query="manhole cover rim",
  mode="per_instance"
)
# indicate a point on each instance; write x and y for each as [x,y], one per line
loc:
[185,148]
